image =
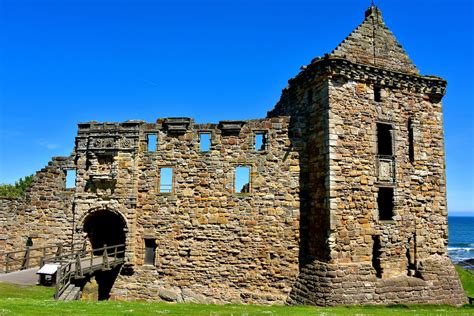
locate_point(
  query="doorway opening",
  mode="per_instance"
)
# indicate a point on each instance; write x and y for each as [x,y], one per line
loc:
[104,227]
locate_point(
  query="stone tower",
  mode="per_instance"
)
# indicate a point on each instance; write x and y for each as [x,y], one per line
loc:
[373,189]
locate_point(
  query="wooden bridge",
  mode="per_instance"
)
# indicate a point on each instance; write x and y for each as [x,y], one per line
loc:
[74,262]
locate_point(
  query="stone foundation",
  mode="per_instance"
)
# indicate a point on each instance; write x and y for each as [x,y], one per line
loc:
[324,284]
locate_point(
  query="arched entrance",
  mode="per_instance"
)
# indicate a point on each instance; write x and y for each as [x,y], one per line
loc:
[105,227]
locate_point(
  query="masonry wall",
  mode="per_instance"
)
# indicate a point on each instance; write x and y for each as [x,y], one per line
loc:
[410,265]
[45,212]
[306,102]
[212,243]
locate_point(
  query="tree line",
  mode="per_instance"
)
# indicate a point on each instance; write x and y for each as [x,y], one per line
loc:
[16,190]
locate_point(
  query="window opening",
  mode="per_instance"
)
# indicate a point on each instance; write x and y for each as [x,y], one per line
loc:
[377,93]
[150,249]
[151,142]
[242,179]
[70,179]
[166,180]
[410,253]
[205,141]
[411,147]
[260,141]
[310,97]
[385,203]
[376,254]
[384,139]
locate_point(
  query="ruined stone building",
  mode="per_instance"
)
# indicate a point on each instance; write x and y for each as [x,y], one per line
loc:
[343,199]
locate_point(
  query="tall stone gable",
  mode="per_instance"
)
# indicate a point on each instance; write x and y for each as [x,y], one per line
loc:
[344,202]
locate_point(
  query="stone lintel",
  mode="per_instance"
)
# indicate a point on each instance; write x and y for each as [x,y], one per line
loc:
[231,127]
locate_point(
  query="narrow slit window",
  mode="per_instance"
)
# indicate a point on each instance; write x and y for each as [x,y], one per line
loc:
[309,97]
[377,93]
[411,145]
[166,180]
[376,253]
[385,203]
[260,141]
[242,179]
[384,139]
[204,142]
[150,250]
[151,142]
[70,179]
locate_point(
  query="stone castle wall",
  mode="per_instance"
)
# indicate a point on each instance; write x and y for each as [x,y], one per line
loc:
[211,241]
[44,214]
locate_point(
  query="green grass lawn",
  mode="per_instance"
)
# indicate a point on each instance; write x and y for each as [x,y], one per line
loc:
[467,280]
[35,300]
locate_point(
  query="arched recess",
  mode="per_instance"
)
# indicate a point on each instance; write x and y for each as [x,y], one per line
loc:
[104,227]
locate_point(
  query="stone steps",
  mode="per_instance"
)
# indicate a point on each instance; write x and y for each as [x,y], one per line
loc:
[71,293]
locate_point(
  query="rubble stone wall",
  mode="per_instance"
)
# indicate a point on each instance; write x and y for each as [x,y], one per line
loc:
[44,214]
[211,241]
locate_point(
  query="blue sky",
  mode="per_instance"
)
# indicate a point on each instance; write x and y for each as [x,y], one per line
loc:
[69,61]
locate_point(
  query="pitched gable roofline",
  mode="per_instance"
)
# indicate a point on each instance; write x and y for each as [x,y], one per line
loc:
[372,43]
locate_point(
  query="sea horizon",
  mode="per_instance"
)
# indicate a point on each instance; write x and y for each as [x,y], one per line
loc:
[460,238]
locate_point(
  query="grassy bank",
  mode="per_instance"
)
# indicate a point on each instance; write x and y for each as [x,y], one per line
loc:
[33,300]
[467,280]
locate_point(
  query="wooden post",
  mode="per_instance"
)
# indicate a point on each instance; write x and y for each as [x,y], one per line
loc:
[105,259]
[79,272]
[43,258]
[58,281]
[7,262]
[59,251]
[26,259]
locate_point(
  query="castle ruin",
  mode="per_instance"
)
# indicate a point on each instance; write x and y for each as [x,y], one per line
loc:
[343,197]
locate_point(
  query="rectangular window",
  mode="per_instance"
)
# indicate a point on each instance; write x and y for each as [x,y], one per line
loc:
[166,180]
[242,179]
[260,141]
[411,147]
[385,203]
[70,178]
[204,141]
[150,249]
[151,142]
[384,139]
[377,93]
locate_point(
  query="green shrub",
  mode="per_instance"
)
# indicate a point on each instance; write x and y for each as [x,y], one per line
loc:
[16,190]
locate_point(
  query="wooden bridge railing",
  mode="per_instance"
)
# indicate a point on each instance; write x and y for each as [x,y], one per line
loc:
[36,256]
[86,262]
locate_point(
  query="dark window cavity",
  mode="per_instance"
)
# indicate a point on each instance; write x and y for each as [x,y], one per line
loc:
[70,178]
[151,142]
[385,203]
[150,249]
[376,254]
[166,180]
[309,97]
[384,139]
[242,179]
[204,141]
[411,145]
[377,93]
[260,141]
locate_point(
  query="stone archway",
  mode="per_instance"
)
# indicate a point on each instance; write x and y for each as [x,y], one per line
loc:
[105,227]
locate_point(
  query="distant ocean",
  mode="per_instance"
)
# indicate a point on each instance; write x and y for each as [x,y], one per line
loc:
[461,238]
